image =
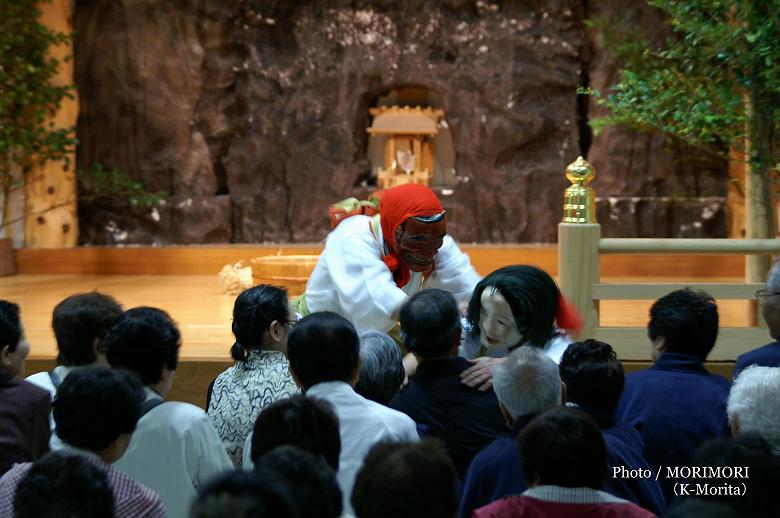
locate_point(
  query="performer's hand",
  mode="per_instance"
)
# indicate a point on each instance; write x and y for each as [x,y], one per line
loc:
[480,374]
[410,366]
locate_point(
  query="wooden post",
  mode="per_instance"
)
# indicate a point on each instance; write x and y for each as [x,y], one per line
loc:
[579,269]
[759,222]
[51,219]
[578,244]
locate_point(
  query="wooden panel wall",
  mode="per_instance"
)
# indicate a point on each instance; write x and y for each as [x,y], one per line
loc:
[204,260]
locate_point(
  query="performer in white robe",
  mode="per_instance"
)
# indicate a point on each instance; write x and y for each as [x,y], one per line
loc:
[371,265]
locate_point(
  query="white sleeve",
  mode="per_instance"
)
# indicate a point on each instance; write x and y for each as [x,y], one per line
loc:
[354,281]
[205,454]
[453,272]
[246,457]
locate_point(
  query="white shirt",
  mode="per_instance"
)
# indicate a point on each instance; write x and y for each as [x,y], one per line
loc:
[174,451]
[351,279]
[362,423]
[43,380]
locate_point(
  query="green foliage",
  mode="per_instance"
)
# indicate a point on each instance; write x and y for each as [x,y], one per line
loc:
[27,98]
[100,184]
[694,85]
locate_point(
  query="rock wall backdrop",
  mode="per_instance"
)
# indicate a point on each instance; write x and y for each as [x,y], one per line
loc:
[252,114]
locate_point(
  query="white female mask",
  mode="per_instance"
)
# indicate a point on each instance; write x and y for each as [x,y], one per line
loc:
[497,326]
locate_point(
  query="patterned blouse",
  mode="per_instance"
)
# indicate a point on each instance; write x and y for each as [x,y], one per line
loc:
[242,391]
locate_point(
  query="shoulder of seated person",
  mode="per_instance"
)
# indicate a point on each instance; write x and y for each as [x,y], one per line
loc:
[180,409]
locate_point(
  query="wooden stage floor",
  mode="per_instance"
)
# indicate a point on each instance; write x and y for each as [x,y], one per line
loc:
[203,314]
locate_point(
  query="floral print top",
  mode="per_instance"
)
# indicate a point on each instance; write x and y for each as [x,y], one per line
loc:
[242,391]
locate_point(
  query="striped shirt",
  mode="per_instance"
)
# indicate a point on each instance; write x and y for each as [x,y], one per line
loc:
[131,499]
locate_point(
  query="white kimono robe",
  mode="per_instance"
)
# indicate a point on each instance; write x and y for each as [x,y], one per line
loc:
[351,279]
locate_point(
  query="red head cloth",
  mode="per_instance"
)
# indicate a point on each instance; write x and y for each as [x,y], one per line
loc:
[567,316]
[396,206]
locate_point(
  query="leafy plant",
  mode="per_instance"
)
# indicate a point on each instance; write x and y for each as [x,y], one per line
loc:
[100,184]
[715,83]
[27,97]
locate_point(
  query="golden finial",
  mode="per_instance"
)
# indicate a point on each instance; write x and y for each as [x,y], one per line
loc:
[579,200]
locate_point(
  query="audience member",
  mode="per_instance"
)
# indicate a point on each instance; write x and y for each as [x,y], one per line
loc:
[24,408]
[759,472]
[526,384]
[410,480]
[564,462]
[61,485]
[79,323]
[677,404]
[243,494]
[594,382]
[324,355]
[175,448]
[308,423]
[381,367]
[769,302]
[313,482]
[753,404]
[261,322]
[430,327]
[96,412]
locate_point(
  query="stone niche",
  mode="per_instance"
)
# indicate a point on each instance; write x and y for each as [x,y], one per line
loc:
[253,115]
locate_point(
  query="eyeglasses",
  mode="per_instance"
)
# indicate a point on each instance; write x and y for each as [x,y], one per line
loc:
[765,294]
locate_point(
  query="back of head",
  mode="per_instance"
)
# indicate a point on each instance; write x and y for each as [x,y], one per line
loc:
[315,489]
[430,323]
[770,302]
[78,322]
[323,347]
[761,470]
[411,480]
[95,405]
[308,423]
[243,494]
[144,340]
[687,320]
[11,334]
[563,447]
[593,375]
[253,312]
[10,325]
[753,403]
[527,382]
[62,485]
[381,367]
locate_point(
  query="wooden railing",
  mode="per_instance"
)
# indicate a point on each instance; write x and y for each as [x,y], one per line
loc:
[579,250]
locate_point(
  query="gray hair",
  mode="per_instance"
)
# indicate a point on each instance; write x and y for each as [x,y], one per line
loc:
[773,277]
[753,403]
[527,382]
[381,367]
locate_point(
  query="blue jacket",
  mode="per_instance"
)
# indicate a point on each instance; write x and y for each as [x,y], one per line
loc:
[766,356]
[496,471]
[625,448]
[675,405]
